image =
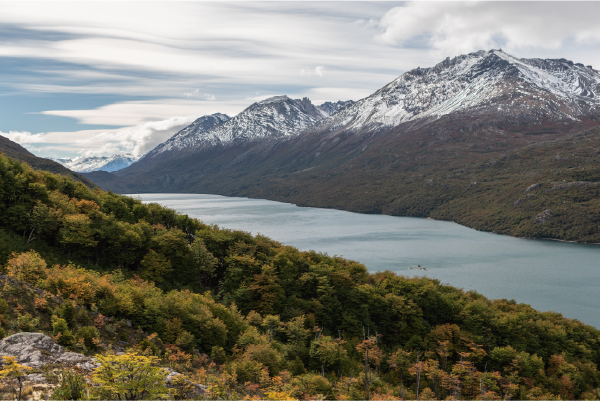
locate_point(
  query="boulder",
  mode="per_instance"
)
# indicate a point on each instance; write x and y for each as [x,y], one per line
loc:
[36,350]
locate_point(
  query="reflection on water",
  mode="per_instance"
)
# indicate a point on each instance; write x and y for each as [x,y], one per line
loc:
[548,275]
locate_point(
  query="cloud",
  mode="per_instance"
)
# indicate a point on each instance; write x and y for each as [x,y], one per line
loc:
[137,140]
[170,59]
[454,28]
[135,113]
[196,93]
[23,137]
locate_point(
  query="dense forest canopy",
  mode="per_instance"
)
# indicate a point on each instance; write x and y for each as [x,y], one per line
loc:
[255,318]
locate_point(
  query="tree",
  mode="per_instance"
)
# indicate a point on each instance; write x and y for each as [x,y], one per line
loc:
[154,267]
[129,377]
[28,266]
[15,372]
[328,351]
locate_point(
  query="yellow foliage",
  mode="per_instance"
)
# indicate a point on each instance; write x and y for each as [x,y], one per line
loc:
[27,266]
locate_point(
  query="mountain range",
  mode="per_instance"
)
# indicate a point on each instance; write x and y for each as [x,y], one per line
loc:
[98,163]
[461,141]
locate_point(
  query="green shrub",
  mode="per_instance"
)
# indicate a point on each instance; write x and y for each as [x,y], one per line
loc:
[185,341]
[218,355]
[3,306]
[61,329]
[72,387]
[88,333]
[27,322]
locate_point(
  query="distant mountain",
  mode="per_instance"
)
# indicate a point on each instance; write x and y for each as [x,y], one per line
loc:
[98,163]
[190,137]
[274,118]
[16,151]
[444,142]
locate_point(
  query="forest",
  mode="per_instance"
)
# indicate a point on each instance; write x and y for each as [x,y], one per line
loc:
[251,318]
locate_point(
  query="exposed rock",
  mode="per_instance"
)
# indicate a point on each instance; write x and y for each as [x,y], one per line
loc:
[36,350]
[518,201]
[532,187]
[544,216]
[198,389]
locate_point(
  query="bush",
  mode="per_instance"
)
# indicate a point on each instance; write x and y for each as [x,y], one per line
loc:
[28,266]
[61,330]
[88,333]
[3,306]
[27,322]
[72,387]
[129,377]
[186,341]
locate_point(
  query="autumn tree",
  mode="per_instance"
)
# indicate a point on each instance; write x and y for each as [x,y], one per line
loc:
[15,373]
[129,377]
[27,266]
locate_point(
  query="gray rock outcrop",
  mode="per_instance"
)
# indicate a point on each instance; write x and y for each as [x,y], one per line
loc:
[544,216]
[36,350]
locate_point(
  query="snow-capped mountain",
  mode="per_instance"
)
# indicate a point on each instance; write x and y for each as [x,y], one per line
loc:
[275,117]
[98,163]
[190,137]
[476,83]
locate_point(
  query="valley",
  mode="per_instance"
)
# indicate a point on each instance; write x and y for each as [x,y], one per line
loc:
[463,141]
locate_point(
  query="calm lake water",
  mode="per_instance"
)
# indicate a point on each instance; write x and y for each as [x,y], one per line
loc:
[548,275]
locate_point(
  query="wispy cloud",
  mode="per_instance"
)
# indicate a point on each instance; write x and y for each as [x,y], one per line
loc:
[187,59]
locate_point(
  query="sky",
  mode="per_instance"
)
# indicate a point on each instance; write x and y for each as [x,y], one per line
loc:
[101,78]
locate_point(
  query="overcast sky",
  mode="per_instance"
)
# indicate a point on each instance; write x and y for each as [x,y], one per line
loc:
[87,78]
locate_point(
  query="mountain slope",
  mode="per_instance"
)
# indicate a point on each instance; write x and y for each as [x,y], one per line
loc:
[428,140]
[17,152]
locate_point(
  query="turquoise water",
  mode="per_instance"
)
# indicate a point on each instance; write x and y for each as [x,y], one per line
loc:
[548,275]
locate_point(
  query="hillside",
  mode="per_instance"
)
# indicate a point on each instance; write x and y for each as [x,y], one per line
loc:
[249,317]
[460,141]
[16,151]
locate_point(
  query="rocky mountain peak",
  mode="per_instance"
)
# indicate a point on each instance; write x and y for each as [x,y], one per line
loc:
[188,137]
[481,82]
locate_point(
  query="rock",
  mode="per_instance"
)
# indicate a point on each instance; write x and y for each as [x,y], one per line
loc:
[544,216]
[198,389]
[518,201]
[36,350]
[532,187]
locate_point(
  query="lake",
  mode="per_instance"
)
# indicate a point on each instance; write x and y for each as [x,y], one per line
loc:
[548,275]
